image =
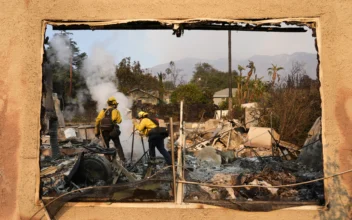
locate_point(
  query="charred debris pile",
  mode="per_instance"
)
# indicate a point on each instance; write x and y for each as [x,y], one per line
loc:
[216,155]
[85,163]
[228,154]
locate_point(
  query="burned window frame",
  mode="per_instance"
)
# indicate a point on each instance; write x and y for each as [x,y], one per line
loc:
[178,27]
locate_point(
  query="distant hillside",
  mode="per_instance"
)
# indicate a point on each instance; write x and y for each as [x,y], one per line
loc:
[262,63]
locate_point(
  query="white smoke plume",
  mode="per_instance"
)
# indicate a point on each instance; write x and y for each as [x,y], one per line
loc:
[82,96]
[99,72]
[77,106]
[62,53]
[61,45]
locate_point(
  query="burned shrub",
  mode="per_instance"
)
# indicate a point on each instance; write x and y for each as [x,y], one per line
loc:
[292,106]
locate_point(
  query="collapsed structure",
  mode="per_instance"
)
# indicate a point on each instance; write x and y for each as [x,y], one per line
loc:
[228,154]
[217,157]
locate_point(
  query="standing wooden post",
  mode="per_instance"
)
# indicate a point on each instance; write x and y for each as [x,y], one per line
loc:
[179,196]
[230,78]
[173,157]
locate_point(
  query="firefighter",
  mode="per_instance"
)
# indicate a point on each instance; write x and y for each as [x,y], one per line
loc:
[147,127]
[106,124]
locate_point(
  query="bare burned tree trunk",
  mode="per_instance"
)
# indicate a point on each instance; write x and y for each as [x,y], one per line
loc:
[50,112]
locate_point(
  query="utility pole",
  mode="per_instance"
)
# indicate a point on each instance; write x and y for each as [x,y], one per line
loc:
[230,116]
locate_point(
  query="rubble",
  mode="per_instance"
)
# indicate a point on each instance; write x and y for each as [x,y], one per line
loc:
[250,157]
[311,152]
[232,136]
[257,182]
[84,164]
[260,137]
[252,114]
[208,157]
[57,175]
[70,133]
[211,124]
[266,171]
[86,132]
[217,152]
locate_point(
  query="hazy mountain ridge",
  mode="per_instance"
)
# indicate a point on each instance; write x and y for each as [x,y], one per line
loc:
[262,63]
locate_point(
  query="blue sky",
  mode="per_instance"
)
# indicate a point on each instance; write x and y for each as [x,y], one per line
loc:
[154,47]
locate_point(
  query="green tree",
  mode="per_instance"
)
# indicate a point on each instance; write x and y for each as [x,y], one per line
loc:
[168,85]
[207,77]
[131,76]
[191,94]
[66,73]
[258,88]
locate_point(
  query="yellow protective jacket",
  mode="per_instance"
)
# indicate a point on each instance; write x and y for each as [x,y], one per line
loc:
[145,126]
[115,117]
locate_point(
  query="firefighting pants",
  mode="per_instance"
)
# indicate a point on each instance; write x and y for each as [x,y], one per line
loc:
[158,142]
[116,139]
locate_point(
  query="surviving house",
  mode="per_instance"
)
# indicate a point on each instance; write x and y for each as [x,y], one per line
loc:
[222,95]
[143,97]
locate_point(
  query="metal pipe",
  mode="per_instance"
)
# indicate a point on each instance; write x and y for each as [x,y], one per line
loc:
[133,166]
[144,148]
[132,143]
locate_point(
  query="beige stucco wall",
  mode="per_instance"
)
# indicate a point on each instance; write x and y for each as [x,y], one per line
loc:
[20,94]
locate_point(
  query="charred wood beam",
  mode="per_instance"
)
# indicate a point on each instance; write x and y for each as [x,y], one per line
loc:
[148,26]
[250,28]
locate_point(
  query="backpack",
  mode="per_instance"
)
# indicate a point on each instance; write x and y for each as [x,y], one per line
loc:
[155,121]
[158,130]
[106,123]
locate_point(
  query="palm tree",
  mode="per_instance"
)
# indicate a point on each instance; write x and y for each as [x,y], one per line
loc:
[239,84]
[259,88]
[161,77]
[273,73]
[252,70]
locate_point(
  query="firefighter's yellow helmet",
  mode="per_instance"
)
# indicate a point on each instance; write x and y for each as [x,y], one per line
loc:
[142,114]
[112,101]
